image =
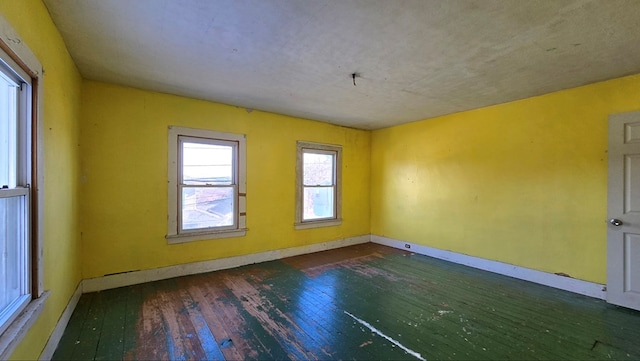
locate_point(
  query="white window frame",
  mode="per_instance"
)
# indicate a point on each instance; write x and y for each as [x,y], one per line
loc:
[319,148]
[16,55]
[21,175]
[176,136]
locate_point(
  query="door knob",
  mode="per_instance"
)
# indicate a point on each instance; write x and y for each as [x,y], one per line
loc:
[616,222]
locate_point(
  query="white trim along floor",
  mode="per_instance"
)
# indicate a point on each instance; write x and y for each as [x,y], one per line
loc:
[125,279]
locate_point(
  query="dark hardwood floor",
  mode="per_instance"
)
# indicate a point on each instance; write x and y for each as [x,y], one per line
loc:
[365,302]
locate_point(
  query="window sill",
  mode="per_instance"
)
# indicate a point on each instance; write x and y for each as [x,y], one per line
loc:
[12,337]
[318,224]
[192,237]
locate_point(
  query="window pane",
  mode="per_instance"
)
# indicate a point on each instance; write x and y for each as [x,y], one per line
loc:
[207,207]
[318,169]
[13,266]
[318,203]
[207,164]
[8,133]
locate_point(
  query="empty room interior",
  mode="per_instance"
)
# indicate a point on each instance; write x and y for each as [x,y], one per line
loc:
[284,179]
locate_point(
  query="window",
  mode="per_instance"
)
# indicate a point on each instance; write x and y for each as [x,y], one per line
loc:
[15,179]
[318,184]
[206,185]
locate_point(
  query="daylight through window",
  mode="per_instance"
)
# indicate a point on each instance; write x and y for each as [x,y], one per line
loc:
[318,183]
[207,193]
[208,185]
[15,268]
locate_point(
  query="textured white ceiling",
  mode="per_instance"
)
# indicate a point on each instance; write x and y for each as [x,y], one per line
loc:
[416,59]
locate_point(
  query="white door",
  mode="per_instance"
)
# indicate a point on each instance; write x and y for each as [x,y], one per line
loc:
[623,223]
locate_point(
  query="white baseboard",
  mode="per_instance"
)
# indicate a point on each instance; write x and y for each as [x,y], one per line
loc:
[548,279]
[126,279]
[57,333]
[136,277]
[131,278]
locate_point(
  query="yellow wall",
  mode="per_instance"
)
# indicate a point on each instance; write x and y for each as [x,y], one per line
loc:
[62,85]
[124,178]
[522,183]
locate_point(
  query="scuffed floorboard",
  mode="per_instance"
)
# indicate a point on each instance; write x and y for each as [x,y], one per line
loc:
[362,302]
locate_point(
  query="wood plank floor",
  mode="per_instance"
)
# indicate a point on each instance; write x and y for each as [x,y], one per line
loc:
[363,302]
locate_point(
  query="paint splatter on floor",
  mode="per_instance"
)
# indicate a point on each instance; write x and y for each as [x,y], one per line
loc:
[361,302]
